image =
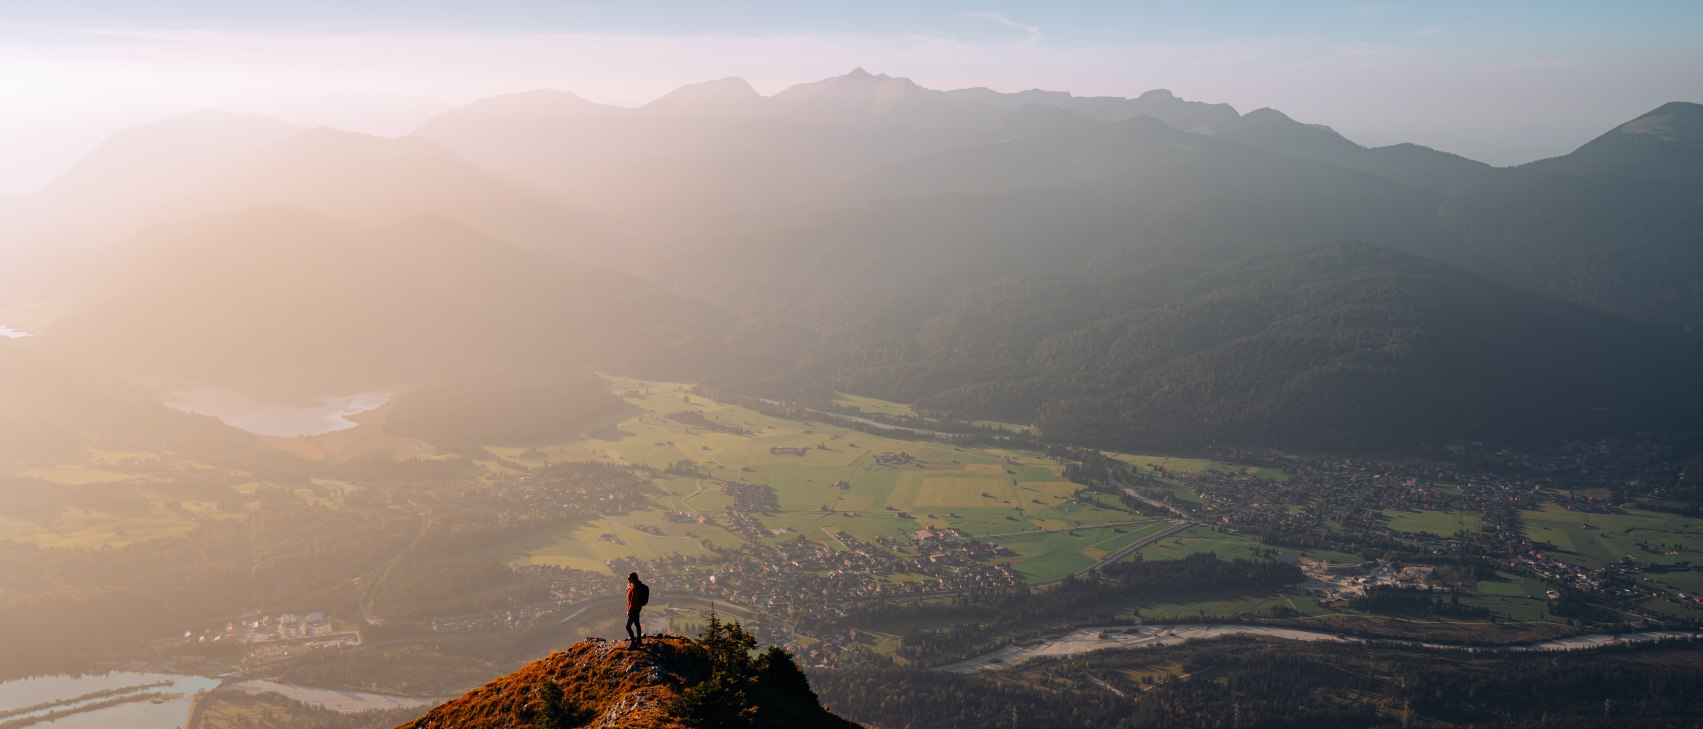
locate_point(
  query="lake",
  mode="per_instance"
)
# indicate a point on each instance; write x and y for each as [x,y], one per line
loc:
[238,410]
[158,700]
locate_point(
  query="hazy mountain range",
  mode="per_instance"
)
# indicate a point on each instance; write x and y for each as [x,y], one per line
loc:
[1147,270]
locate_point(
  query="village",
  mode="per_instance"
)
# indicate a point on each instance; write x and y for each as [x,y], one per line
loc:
[1343,505]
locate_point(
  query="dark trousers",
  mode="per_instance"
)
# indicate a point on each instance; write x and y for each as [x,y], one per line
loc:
[634,627]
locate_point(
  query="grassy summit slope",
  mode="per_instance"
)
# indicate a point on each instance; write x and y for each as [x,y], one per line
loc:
[608,684]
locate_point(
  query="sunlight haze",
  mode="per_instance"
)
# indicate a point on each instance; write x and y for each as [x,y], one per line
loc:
[540,364]
[1530,80]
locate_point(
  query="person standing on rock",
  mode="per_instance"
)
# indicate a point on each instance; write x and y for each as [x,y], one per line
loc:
[638,596]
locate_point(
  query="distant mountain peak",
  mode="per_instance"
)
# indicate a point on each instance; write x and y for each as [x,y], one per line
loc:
[1269,128]
[1157,94]
[1267,114]
[1673,122]
[543,103]
[860,77]
[731,96]
[1664,143]
[855,92]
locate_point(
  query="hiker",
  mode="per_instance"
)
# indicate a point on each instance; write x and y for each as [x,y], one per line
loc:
[638,595]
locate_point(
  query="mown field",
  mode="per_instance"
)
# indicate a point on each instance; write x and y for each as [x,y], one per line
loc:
[1439,523]
[1229,546]
[1018,499]
[1593,540]
[1671,543]
[1161,466]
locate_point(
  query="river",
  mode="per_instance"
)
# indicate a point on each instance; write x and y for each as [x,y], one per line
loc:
[1087,640]
[238,410]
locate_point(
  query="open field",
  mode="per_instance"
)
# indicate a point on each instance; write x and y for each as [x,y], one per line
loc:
[1222,604]
[1593,540]
[76,475]
[1042,557]
[88,528]
[834,483]
[1228,546]
[590,545]
[1440,523]
[1523,598]
[874,406]
[1160,466]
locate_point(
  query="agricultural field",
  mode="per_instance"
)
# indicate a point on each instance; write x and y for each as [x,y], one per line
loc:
[1523,598]
[1594,540]
[590,545]
[1160,466]
[98,504]
[1228,546]
[827,480]
[91,528]
[1042,556]
[874,406]
[1439,523]
[1223,604]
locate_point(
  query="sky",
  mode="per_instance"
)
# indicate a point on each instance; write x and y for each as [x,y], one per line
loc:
[1504,81]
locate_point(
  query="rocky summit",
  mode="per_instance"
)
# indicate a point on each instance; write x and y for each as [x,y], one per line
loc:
[608,684]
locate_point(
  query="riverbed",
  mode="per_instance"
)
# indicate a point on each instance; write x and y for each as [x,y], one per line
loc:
[1088,640]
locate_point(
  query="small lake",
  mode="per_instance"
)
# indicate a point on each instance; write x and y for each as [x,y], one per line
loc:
[7,332]
[156,700]
[238,410]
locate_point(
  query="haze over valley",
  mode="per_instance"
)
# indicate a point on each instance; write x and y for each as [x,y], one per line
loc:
[981,405]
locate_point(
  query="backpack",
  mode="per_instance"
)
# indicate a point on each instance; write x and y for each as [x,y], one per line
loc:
[641,594]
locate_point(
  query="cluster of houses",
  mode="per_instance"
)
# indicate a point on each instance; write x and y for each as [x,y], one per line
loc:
[751,496]
[1341,504]
[894,459]
[268,628]
[801,578]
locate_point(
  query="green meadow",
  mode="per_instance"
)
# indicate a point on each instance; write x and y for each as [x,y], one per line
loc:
[835,484]
[1523,598]
[1593,540]
[1196,540]
[1162,466]
[1438,523]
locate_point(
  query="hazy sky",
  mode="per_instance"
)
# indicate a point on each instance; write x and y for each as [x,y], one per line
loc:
[1500,81]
